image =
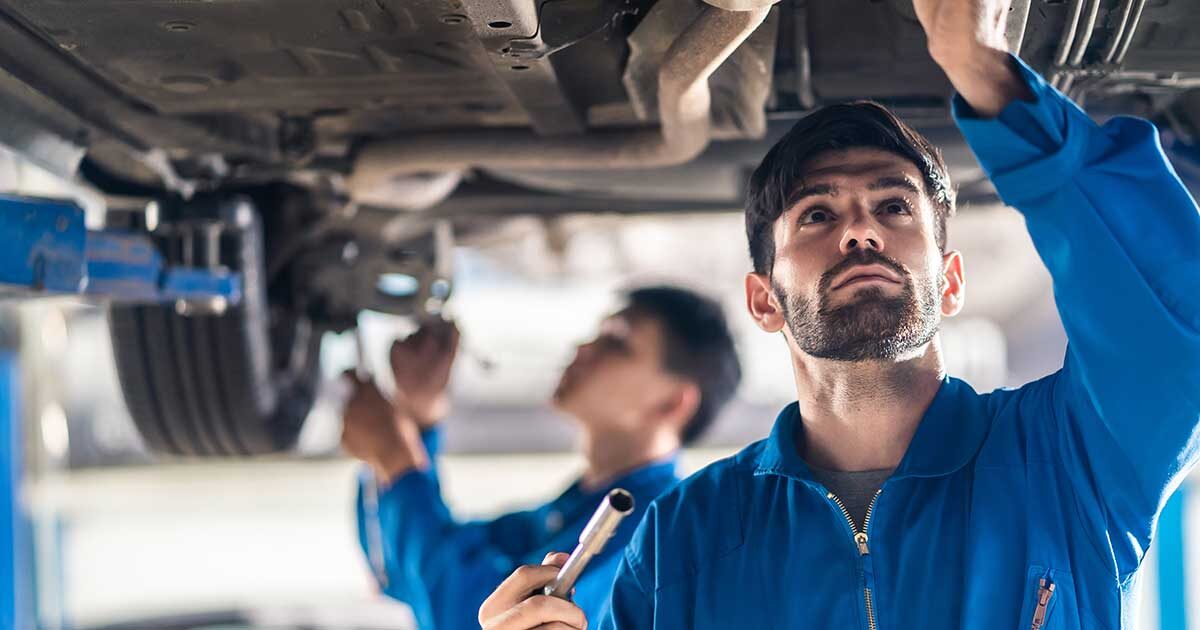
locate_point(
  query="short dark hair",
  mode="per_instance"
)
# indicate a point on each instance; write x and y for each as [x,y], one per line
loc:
[697,346]
[842,126]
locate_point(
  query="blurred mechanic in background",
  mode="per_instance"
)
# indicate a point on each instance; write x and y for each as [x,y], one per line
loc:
[652,381]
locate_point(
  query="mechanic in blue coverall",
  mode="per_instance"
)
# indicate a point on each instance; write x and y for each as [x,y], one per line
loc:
[1025,508]
[653,379]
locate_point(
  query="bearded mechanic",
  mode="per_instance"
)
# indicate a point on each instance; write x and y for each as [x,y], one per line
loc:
[892,495]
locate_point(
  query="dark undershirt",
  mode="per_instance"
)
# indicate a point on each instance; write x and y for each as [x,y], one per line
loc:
[855,490]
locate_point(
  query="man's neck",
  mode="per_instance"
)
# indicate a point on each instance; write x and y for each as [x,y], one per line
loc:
[610,455]
[862,415]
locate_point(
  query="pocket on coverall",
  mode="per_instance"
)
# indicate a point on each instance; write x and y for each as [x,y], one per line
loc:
[1048,600]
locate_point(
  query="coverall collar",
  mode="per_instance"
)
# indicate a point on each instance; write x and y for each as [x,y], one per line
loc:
[652,476]
[950,434]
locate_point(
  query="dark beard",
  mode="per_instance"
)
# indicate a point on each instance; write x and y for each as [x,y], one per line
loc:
[870,327]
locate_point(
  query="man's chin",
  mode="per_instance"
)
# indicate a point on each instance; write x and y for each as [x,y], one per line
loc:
[858,350]
[866,331]
[561,398]
[867,340]
[566,407]
[863,296]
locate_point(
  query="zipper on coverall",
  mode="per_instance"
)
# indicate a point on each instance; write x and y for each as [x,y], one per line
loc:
[1045,592]
[861,540]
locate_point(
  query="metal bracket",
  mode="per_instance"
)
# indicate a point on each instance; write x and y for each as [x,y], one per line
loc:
[511,31]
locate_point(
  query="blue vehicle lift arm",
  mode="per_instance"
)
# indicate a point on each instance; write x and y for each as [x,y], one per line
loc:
[49,250]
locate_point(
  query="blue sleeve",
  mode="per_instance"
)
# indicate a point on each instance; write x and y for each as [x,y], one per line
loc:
[441,568]
[1120,236]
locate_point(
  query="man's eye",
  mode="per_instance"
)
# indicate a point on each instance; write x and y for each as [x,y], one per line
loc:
[612,342]
[895,207]
[815,215]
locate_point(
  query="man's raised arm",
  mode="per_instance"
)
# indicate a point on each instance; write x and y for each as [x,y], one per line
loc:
[440,567]
[1120,235]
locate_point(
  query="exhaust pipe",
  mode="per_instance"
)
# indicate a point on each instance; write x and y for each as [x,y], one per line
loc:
[684,103]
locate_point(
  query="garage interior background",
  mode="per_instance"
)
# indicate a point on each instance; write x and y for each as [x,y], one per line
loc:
[115,536]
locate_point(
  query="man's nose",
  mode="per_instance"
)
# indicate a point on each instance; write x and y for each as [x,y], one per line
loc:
[862,234]
[584,351]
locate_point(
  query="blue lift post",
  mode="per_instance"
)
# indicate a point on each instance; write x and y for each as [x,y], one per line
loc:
[16,562]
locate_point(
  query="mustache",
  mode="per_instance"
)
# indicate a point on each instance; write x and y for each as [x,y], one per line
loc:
[860,257]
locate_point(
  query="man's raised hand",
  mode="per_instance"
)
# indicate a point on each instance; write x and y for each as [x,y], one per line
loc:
[966,38]
[955,27]
[375,433]
[421,366]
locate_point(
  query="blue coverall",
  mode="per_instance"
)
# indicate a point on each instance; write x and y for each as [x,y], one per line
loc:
[444,569]
[1036,502]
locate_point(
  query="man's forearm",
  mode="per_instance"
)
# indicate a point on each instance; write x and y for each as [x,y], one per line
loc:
[985,77]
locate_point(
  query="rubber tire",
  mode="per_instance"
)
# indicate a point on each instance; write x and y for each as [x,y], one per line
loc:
[236,384]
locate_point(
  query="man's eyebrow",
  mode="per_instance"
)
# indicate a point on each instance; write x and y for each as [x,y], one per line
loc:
[895,181]
[827,190]
[622,320]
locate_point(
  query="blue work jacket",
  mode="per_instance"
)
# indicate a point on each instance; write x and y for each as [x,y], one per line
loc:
[444,569]
[1009,509]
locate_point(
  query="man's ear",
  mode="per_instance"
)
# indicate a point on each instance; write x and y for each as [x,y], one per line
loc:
[681,405]
[954,284]
[762,304]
